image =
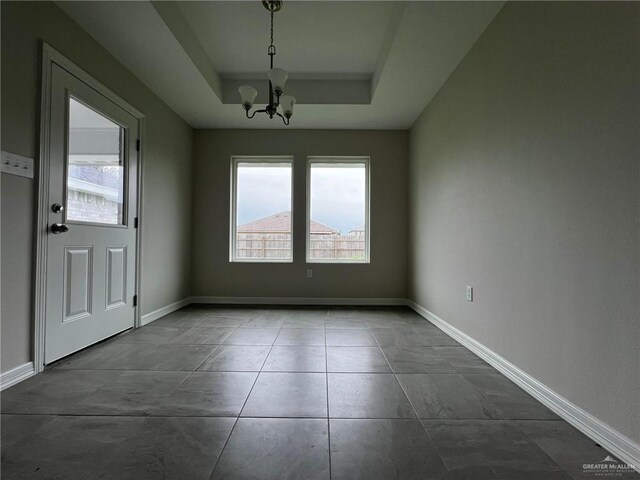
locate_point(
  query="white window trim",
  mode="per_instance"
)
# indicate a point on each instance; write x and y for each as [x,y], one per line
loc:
[235,160]
[367,221]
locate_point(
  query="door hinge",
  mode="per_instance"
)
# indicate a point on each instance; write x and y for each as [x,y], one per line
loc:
[135,222]
[138,145]
[135,300]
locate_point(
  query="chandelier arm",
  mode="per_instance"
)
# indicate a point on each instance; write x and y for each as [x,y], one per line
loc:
[285,120]
[254,113]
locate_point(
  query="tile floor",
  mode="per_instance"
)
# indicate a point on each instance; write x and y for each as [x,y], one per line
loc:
[273,393]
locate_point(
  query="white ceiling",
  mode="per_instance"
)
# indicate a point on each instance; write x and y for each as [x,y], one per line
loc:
[353,64]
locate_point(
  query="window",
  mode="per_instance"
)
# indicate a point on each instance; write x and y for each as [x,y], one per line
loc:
[261,213]
[338,210]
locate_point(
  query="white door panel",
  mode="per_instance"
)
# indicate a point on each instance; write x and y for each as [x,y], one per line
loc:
[90,271]
[116,276]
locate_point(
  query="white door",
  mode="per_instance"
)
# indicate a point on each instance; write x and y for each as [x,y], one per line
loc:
[91,247]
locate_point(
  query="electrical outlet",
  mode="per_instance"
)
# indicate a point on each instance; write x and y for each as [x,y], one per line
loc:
[15,164]
[469,293]
[309,273]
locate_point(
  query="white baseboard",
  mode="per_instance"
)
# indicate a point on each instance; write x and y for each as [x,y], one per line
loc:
[16,375]
[299,301]
[623,447]
[166,310]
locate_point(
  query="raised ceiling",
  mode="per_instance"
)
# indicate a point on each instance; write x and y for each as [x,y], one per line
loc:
[352,64]
[351,45]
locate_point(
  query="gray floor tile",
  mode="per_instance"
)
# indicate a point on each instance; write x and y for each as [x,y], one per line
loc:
[417,360]
[131,393]
[405,337]
[97,356]
[119,448]
[132,407]
[400,336]
[446,396]
[262,322]
[155,336]
[305,314]
[366,313]
[296,358]
[349,338]
[431,340]
[275,313]
[216,394]
[54,391]
[510,400]
[303,323]
[15,428]
[84,392]
[345,323]
[463,360]
[275,449]
[425,328]
[176,322]
[213,321]
[236,358]
[416,320]
[357,360]
[367,396]
[301,336]
[288,395]
[383,449]
[139,357]
[252,336]
[386,321]
[571,449]
[200,335]
[232,312]
[491,450]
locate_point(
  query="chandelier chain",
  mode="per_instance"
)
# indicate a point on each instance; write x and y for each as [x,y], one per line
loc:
[276,89]
[271,27]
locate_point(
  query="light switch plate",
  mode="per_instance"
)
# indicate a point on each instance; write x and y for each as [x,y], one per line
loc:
[15,164]
[469,293]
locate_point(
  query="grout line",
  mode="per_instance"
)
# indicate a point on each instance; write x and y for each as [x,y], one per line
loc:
[544,452]
[144,415]
[243,405]
[326,373]
[424,427]
[215,349]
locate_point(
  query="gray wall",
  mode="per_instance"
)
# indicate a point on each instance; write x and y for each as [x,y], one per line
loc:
[214,275]
[167,174]
[524,182]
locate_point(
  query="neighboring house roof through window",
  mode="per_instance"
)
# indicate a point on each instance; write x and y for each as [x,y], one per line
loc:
[281,223]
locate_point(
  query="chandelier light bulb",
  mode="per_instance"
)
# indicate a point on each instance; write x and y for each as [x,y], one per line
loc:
[286,103]
[278,77]
[248,95]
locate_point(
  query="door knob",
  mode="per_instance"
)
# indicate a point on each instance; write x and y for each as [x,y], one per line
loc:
[59,228]
[57,208]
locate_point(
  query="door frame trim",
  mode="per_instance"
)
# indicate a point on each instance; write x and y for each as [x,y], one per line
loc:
[50,56]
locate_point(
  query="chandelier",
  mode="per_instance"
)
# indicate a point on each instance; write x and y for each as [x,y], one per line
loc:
[277,78]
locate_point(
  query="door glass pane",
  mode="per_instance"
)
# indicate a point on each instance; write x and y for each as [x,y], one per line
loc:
[95,167]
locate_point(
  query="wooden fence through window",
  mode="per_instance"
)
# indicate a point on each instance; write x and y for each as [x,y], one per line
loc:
[277,246]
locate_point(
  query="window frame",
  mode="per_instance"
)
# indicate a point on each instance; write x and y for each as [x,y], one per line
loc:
[366,160]
[235,160]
